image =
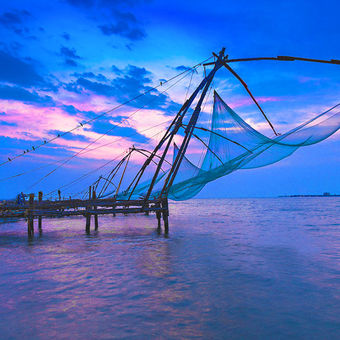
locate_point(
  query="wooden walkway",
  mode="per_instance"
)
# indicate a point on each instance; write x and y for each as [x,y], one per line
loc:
[37,209]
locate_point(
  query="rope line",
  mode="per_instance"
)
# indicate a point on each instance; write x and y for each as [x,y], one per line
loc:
[45,142]
[102,166]
[86,151]
[101,136]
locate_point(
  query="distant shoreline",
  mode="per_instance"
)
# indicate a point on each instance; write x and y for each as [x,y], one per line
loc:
[325,194]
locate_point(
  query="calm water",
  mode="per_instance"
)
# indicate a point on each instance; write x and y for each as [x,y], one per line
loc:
[231,269]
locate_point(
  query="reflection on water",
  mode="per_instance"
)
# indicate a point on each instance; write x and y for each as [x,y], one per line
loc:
[240,268]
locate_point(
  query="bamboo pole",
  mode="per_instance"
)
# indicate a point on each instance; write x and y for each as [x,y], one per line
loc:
[176,123]
[121,179]
[88,215]
[190,128]
[40,196]
[165,207]
[30,219]
[95,208]
[158,215]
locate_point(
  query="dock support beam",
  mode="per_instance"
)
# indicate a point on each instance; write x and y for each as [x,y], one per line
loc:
[94,196]
[30,217]
[165,208]
[158,215]
[88,215]
[147,211]
[40,218]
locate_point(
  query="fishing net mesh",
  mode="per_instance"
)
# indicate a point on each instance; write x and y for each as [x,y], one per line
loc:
[233,144]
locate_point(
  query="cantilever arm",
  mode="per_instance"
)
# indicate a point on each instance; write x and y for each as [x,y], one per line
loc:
[280,58]
[247,89]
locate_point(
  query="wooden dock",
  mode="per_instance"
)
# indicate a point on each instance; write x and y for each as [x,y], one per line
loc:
[37,209]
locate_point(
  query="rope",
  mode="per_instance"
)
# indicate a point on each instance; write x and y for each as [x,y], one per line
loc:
[66,160]
[92,171]
[105,164]
[186,95]
[104,134]
[86,151]
[45,142]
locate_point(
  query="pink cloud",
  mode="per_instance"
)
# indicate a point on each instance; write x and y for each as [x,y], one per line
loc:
[33,122]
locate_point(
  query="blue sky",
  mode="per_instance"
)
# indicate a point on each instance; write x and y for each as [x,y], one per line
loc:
[62,63]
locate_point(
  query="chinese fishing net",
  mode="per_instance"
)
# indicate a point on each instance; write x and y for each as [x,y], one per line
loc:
[233,144]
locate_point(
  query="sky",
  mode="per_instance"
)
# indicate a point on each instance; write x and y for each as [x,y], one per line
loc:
[65,62]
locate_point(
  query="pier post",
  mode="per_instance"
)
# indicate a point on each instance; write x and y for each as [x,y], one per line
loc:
[114,207]
[147,213]
[88,215]
[30,218]
[158,215]
[40,218]
[165,207]
[94,196]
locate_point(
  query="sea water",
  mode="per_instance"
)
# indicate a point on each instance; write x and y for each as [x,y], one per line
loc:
[230,269]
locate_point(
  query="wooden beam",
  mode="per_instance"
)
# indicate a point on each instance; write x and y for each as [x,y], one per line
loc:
[30,218]
[247,89]
[165,213]
[121,179]
[190,128]
[40,196]
[88,215]
[279,58]
[95,209]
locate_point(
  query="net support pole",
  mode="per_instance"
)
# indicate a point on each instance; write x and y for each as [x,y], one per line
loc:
[121,179]
[149,159]
[244,84]
[190,128]
[177,122]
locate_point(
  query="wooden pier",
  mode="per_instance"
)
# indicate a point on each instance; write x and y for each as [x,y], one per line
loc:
[153,200]
[37,209]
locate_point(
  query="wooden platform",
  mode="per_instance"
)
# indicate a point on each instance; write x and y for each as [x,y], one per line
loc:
[37,209]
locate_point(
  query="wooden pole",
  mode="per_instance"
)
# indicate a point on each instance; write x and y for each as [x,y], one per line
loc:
[158,215]
[165,207]
[189,130]
[121,179]
[147,211]
[88,215]
[111,175]
[177,122]
[40,217]
[247,89]
[95,208]
[30,223]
